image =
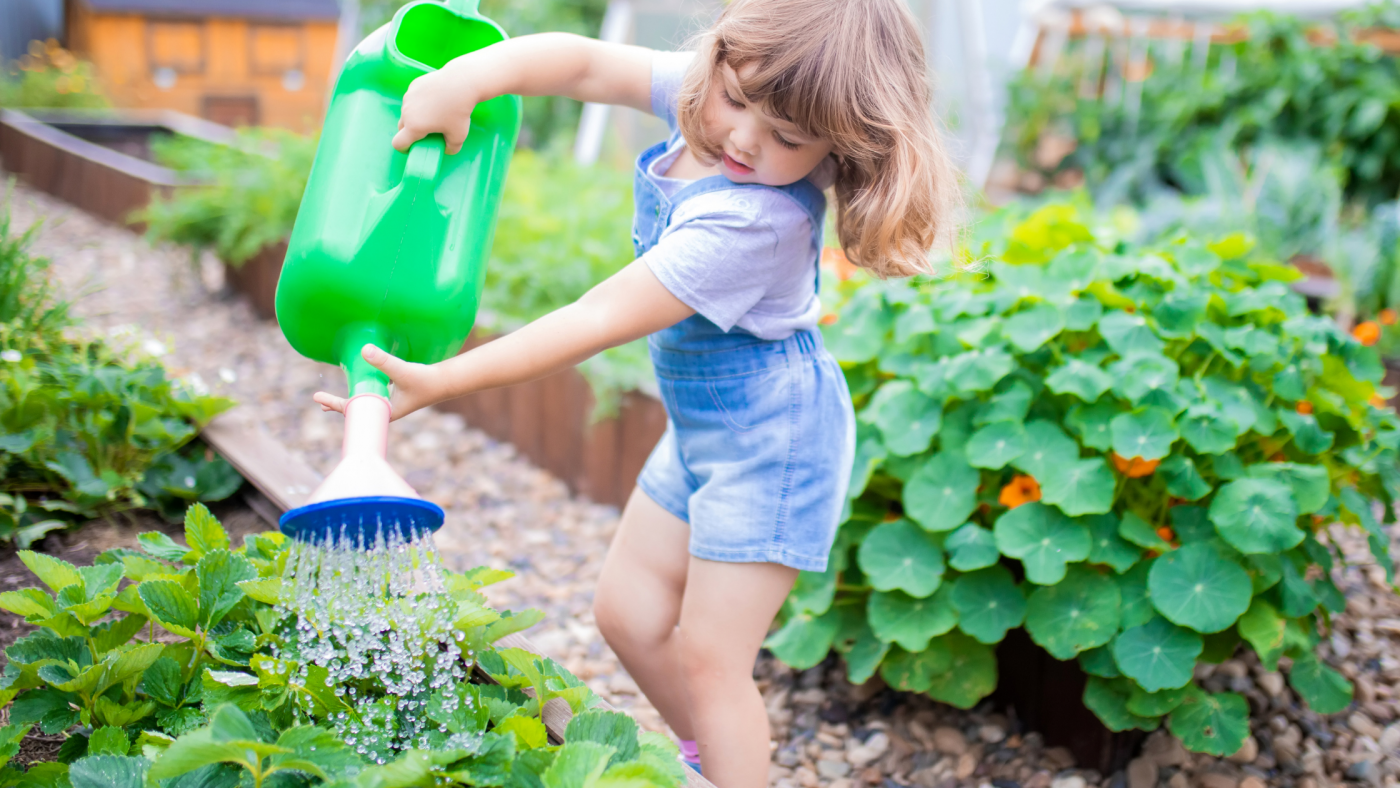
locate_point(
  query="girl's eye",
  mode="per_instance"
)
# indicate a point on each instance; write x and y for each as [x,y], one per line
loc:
[732,102]
[785,143]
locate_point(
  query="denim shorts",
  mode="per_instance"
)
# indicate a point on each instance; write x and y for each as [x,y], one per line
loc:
[759,441]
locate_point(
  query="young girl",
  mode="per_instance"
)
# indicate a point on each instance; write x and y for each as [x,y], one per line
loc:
[782,100]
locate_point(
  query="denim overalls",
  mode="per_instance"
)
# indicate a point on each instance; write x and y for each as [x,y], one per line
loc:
[760,433]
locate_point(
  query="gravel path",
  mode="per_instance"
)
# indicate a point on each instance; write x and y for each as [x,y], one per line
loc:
[504,512]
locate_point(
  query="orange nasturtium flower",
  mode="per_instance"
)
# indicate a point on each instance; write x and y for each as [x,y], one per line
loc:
[828,319]
[834,260]
[1022,489]
[1367,333]
[1166,534]
[1136,467]
[1388,317]
[1377,401]
[1305,407]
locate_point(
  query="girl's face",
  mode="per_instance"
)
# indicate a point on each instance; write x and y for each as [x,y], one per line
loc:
[757,147]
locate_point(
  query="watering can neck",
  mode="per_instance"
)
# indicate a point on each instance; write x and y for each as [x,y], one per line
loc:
[464,7]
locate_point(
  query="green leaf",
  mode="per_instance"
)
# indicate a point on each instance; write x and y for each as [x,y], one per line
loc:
[859,334]
[28,603]
[162,546]
[906,417]
[1091,423]
[1213,724]
[528,731]
[162,682]
[1109,703]
[915,672]
[804,639]
[459,708]
[219,573]
[203,532]
[1155,704]
[978,370]
[1084,380]
[1107,547]
[1324,690]
[267,590]
[100,770]
[1263,628]
[1137,530]
[942,492]
[1308,436]
[1028,330]
[1011,404]
[1196,587]
[1128,334]
[1080,613]
[1256,516]
[1157,655]
[171,606]
[864,652]
[612,728]
[900,555]
[971,547]
[1144,379]
[577,765]
[1178,313]
[55,573]
[971,675]
[55,711]
[1147,433]
[908,621]
[995,445]
[1043,539]
[108,741]
[1080,487]
[1311,486]
[1206,430]
[1184,480]
[1099,662]
[988,603]
[1048,449]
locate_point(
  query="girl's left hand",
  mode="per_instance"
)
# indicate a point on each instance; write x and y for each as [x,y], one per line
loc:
[416,386]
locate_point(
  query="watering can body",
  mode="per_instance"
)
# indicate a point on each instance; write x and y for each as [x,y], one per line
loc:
[391,248]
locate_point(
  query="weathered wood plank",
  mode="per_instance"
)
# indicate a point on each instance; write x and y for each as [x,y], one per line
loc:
[284,479]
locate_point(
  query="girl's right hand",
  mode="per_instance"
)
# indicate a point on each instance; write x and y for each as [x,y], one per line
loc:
[436,103]
[416,386]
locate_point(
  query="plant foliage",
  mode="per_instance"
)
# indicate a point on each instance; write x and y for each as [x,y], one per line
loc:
[159,665]
[49,76]
[1133,453]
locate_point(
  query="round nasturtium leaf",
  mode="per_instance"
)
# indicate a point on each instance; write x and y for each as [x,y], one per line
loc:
[1072,271]
[1157,655]
[1178,313]
[1184,479]
[804,639]
[1047,448]
[1256,516]
[860,333]
[908,621]
[1128,334]
[1310,483]
[1078,613]
[1206,431]
[989,603]
[942,492]
[1155,704]
[1147,433]
[995,445]
[1213,724]
[978,370]
[1083,314]
[915,672]
[1108,699]
[1263,628]
[1307,434]
[1008,405]
[1092,423]
[907,418]
[1107,547]
[863,652]
[1141,533]
[1080,378]
[1099,662]
[1197,587]
[1043,539]
[971,676]
[901,556]
[1324,690]
[1137,602]
[1031,328]
[970,548]
[1139,378]
[1080,487]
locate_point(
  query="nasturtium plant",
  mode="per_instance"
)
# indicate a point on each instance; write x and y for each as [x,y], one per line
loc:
[170,666]
[1137,457]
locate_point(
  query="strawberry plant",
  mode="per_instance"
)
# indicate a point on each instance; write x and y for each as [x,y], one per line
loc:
[1130,452]
[174,665]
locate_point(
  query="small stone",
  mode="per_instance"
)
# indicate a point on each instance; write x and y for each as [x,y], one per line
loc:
[1247,751]
[1253,782]
[833,769]
[1179,780]
[1217,780]
[1068,781]
[1057,759]
[991,734]
[1142,773]
[1365,771]
[873,748]
[967,764]
[788,757]
[1363,725]
[1272,683]
[1390,738]
[841,782]
[949,740]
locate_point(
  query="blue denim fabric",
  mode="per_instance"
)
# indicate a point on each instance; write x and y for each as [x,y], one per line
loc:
[760,434]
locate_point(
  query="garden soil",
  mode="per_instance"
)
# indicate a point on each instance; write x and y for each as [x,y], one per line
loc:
[503,512]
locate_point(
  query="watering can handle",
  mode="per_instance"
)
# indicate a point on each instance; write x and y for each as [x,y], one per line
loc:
[424,160]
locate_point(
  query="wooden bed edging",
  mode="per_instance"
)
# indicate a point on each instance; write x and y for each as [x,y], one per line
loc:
[283,479]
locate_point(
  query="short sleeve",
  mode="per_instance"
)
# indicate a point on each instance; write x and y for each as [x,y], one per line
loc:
[729,253]
[667,72]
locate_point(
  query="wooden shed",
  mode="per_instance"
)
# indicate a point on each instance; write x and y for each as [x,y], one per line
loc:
[235,62]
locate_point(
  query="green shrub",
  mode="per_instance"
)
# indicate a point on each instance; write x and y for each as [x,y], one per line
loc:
[160,667]
[49,76]
[86,428]
[1130,452]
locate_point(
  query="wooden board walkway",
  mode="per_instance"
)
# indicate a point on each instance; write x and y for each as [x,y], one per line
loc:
[284,482]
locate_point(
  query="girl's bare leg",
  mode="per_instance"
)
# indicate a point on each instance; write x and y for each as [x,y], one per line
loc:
[638,604]
[727,611]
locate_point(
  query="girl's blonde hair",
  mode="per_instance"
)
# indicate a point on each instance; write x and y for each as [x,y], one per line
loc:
[851,72]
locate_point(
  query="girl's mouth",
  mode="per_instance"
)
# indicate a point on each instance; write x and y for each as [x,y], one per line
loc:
[734,166]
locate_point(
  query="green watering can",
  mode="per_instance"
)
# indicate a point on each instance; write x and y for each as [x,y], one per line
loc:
[389,248]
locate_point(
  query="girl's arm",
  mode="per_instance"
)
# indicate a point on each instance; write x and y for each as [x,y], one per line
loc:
[628,305]
[547,64]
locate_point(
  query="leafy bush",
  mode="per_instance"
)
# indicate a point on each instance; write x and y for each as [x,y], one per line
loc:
[1340,95]
[1130,452]
[160,667]
[50,76]
[86,428]
[251,200]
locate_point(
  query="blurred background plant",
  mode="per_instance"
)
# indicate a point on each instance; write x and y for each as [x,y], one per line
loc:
[50,76]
